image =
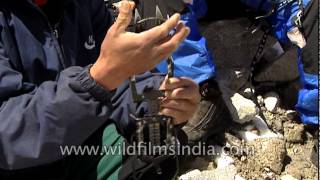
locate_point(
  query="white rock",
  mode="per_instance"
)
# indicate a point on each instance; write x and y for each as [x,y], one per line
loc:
[239,73]
[288,177]
[248,135]
[238,177]
[247,93]
[260,100]
[263,129]
[271,175]
[245,109]
[227,173]
[222,160]
[271,101]
[249,127]
[266,169]
[191,175]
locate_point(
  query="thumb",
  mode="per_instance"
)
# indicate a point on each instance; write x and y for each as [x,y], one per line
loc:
[125,15]
[164,83]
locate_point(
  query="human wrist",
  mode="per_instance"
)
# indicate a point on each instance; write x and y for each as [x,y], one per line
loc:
[88,84]
[106,76]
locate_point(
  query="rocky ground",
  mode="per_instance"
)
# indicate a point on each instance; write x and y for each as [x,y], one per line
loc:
[284,154]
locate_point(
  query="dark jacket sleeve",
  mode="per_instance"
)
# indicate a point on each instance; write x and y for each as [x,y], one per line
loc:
[35,122]
[102,19]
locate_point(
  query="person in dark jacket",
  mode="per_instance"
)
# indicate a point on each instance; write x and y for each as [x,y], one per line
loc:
[63,71]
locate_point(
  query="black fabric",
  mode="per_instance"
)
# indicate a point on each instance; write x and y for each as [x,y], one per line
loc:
[227,9]
[54,10]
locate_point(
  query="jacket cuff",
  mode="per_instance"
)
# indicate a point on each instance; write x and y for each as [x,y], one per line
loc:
[91,86]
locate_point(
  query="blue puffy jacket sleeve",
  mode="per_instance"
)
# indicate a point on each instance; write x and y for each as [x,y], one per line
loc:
[35,120]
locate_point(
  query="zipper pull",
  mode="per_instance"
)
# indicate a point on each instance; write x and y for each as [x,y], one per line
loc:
[56,33]
[55,30]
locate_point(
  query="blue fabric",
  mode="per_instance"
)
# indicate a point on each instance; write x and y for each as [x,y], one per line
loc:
[282,21]
[307,104]
[191,21]
[192,59]
[199,8]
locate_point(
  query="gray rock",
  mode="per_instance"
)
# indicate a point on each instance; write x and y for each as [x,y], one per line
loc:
[268,152]
[293,132]
[227,173]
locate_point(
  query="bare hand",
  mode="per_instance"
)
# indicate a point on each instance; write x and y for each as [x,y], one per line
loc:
[181,99]
[124,54]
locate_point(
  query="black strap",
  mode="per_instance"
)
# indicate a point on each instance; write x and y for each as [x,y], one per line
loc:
[254,62]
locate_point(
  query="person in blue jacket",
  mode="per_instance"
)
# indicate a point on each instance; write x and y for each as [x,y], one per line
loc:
[193,59]
[295,22]
[63,71]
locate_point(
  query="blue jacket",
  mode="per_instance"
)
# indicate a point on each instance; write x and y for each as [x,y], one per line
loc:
[192,59]
[47,97]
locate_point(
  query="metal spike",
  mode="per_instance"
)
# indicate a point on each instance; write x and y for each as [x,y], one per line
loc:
[158,13]
[137,16]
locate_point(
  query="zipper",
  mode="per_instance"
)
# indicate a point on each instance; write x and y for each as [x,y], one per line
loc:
[54,35]
[55,32]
